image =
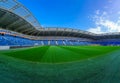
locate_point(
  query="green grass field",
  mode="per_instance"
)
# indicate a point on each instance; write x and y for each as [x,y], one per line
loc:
[61,64]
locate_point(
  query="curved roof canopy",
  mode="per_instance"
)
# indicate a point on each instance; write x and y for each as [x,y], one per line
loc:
[17,8]
[14,16]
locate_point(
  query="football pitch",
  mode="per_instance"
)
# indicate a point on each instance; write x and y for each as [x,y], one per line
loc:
[61,64]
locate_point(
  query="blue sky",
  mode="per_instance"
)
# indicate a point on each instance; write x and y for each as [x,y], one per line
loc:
[98,16]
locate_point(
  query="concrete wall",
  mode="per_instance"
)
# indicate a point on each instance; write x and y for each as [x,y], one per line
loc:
[4,47]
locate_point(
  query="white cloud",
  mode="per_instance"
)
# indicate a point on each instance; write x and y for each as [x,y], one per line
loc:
[104,13]
[95,30]
[118,12]
[97,12]
[104,25]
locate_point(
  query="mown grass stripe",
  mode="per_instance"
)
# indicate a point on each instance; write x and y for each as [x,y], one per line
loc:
[60,54]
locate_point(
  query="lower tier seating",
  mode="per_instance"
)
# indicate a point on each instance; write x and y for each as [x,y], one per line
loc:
[8,40]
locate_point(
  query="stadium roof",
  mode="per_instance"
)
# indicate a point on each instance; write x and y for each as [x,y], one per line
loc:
[13,11]
[14,16]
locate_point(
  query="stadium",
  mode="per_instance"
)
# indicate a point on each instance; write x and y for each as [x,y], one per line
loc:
[31,53]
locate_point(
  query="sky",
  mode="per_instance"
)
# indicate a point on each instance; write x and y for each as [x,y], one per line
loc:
[97,16]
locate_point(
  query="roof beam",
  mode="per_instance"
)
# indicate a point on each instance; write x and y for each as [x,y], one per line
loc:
[70,32]
[13,23]
[26,30]
[27,16]
[21,27]
[38,33]
[34,32]
[56,32]
[63,32]
[30,31]
[75,35]
[3,17]
[33,21]
[15,7]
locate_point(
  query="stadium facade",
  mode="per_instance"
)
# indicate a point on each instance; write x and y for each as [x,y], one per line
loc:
[18,27]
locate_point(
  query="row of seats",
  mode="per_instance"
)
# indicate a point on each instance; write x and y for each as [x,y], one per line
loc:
[106,43]
[8,40]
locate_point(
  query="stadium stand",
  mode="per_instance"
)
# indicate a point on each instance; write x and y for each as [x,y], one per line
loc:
[19,28]
[13,39]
